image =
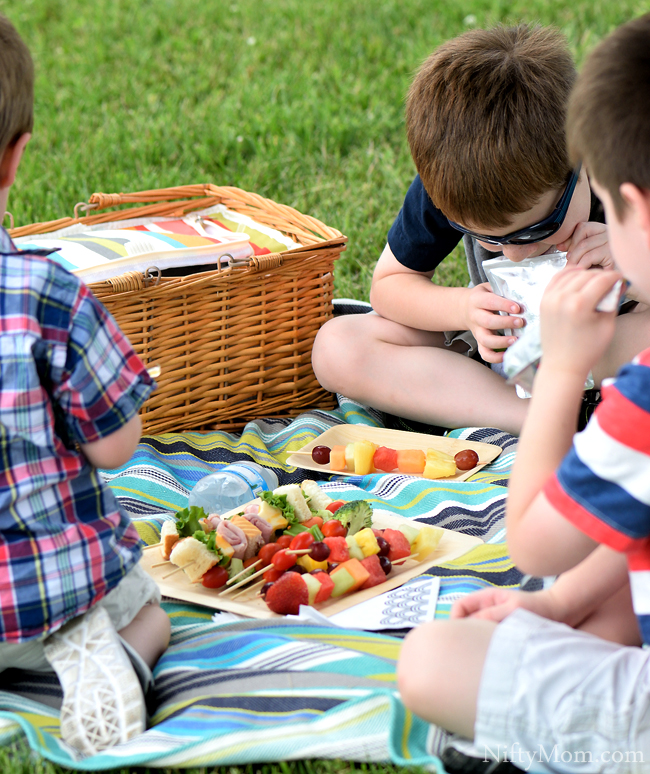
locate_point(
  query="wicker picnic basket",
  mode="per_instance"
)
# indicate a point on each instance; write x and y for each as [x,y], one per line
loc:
[234,343]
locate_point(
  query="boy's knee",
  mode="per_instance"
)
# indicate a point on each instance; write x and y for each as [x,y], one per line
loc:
[159,620]
[333,352]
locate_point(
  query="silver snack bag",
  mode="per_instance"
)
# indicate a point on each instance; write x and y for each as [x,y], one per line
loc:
[525,283]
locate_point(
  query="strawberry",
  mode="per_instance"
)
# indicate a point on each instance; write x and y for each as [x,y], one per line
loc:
[287,594]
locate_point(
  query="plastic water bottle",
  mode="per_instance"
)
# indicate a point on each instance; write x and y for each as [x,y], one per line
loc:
[232,486]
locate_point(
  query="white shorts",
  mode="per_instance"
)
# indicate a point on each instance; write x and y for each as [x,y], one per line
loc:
[136,589]
[553,699]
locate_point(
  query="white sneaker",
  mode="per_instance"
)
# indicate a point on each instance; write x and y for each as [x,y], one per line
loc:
[103,703]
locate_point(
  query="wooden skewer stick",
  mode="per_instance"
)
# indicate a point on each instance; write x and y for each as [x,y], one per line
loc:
[297,551]
[259,584]
[178,569]
[153,545]
[403,559]
[160,564]
[243,581]
[230,581]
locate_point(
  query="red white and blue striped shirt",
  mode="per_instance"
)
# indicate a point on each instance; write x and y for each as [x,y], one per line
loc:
[67,376]
[603,484]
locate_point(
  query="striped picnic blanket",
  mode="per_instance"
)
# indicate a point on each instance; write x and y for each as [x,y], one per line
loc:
[258,691]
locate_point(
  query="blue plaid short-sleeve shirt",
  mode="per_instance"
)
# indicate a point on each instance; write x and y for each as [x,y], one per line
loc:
[68,376]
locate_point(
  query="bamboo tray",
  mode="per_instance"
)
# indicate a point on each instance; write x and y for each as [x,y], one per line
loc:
[340,435]
[451,546]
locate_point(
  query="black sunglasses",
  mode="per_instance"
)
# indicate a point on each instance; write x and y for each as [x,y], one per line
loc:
[538,231]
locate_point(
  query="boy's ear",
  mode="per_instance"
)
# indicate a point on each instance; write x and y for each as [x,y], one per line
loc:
[638,200]
[11,159]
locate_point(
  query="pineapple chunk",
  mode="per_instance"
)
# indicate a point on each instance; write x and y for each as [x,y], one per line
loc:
[426,541]
[364,451]
[349,456]
[439,465]
[310,564]
[367,541]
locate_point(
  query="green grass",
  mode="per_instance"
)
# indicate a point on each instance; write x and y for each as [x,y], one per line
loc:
[297,100]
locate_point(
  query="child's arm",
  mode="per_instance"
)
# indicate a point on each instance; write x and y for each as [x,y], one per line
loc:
[575,595]
[574,337]
[411,298]
[115,449]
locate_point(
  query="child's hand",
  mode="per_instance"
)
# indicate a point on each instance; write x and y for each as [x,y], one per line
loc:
[494,604]
[483,319]
[588,246]
[574,334]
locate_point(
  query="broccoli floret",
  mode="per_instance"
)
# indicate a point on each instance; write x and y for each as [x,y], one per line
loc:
[356,515]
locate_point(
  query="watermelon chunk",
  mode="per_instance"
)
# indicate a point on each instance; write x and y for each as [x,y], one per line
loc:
[399,544]
[326,587]
[385,459]
[377,575]
[338,549]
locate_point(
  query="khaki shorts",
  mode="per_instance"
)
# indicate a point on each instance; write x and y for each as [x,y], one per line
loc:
[123,603]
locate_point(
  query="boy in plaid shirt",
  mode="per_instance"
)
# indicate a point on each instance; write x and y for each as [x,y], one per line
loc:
[73,597]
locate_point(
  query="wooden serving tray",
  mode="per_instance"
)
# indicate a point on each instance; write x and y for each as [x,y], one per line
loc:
[451,546]
[341,435]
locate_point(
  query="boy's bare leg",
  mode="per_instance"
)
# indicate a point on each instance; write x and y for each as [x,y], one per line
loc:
[148,633]
[439,671]
[410,373]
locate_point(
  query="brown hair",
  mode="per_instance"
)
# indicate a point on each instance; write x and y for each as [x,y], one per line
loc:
[16,86]
[485,122]
[608,123]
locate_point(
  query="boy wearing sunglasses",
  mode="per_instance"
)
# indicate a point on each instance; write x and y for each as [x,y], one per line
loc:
[485,123]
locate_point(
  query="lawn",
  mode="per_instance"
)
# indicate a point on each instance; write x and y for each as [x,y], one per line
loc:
[296,100]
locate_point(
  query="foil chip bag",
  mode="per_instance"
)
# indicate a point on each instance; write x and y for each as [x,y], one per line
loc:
[524,282]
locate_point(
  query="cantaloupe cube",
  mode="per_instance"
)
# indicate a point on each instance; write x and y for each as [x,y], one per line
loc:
[410,460]
[337,458]
[348,577]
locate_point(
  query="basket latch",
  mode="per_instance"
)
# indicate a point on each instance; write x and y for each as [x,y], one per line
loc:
[257,262]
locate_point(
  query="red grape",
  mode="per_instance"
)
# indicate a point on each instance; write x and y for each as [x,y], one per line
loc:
[321,454]
[319,552]
[466,459]
[386,564]
[384,546]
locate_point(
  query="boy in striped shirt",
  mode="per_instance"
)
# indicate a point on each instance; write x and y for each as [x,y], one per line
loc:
[511,674]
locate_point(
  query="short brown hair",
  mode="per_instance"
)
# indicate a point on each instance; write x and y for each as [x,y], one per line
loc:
[485,121]
[608,123]
[16,86]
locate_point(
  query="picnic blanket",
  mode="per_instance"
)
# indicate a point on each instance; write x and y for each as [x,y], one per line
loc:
[257,691]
